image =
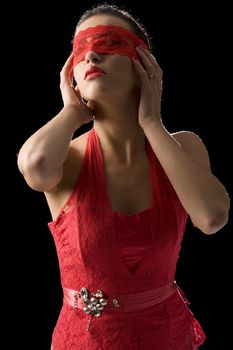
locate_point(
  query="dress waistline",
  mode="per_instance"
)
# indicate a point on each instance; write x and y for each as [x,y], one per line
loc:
[95,302]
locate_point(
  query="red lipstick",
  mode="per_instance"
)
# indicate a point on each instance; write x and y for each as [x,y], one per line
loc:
[93,72]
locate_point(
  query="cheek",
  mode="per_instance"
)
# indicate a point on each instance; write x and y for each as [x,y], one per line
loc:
[78,72]
[129,75]
[124,69]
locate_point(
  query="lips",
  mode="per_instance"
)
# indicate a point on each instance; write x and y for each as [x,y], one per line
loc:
[94,72]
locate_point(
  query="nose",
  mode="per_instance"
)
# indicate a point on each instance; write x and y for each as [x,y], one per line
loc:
[92,56]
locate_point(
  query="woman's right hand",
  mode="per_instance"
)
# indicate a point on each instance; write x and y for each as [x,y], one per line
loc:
[71,96]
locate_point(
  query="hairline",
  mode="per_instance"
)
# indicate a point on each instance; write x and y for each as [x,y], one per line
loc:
[130,27]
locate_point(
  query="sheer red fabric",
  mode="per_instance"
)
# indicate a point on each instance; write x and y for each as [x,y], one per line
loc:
[107,39]
[101,249]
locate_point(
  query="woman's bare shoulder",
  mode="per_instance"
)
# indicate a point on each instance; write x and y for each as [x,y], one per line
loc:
[188,139]
[193,145]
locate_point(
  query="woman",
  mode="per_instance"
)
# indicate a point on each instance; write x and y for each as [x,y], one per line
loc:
[120,194]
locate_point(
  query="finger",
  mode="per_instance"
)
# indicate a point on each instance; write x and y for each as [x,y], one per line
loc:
[67,69]
[149,63]
[146,80]
[69,61]
[153,69]
[142,74]
[152,66]
[159,71]
[148,53]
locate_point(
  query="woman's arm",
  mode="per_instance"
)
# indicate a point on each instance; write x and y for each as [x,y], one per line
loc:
[183,156]
[185,160]
[42,156]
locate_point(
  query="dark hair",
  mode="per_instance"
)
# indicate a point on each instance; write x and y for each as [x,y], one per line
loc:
[111,9]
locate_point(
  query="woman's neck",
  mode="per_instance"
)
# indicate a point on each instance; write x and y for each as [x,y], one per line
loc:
[122,138]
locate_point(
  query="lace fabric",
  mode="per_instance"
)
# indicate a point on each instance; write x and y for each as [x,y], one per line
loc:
[106,40]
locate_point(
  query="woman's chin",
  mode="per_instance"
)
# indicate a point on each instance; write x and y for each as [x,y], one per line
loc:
[96,96]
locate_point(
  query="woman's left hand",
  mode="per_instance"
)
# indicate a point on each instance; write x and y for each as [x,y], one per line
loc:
[150,77]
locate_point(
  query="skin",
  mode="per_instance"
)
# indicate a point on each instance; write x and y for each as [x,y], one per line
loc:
[126,105]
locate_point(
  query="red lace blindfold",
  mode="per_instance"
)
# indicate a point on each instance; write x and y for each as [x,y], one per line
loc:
[106,40]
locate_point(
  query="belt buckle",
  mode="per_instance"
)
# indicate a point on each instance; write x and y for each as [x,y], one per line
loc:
[94,303]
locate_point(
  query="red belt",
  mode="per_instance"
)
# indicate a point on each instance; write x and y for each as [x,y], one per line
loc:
[93,303]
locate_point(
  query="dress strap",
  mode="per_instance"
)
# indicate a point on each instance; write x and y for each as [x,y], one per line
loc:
[95,170]
[154,172]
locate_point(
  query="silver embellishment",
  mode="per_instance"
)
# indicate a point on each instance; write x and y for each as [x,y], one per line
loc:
[116,303]
[94,305]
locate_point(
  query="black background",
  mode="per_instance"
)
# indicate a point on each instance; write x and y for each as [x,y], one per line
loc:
[192,45]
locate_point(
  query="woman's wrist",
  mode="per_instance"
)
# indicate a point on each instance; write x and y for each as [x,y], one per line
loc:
[149,122]
[71,114]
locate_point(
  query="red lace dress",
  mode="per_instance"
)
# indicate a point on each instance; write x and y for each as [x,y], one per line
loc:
[101,249]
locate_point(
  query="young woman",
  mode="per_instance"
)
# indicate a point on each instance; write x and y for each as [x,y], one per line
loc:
[120,194]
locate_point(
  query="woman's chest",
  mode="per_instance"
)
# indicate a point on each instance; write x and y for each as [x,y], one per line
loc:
[129,188]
